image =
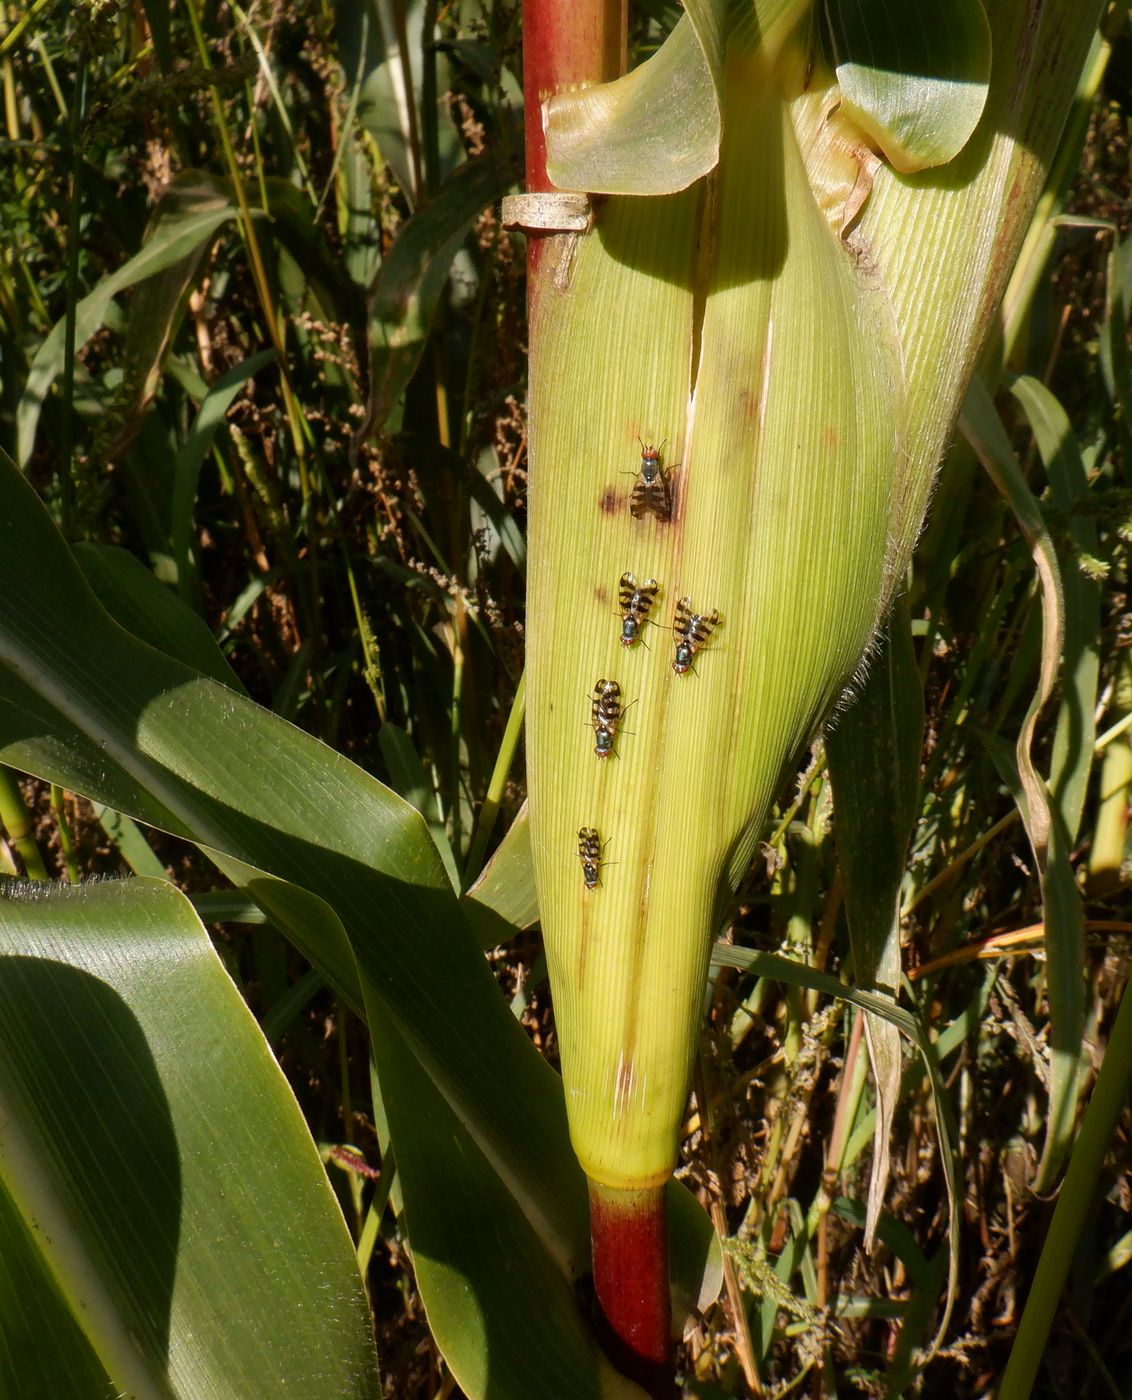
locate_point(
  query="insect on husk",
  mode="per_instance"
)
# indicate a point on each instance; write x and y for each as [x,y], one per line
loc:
[606,711]
[651,493]
[692,632]
[589,853]
[636,603]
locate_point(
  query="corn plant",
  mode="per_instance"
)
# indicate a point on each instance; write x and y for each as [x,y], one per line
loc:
[265,465]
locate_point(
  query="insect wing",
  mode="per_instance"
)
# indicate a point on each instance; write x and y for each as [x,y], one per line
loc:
[706,626]
[657,498]
[644,598]
[684,615]
[607,700]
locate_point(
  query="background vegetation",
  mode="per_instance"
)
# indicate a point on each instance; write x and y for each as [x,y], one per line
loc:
[309,424]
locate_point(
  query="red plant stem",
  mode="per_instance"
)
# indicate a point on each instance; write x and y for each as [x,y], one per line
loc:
[566,43]
[629,1237]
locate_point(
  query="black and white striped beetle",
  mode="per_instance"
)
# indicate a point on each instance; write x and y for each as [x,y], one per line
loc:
[636,603]
[692,632]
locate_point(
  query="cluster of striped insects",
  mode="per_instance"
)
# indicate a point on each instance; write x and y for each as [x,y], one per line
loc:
[691,630]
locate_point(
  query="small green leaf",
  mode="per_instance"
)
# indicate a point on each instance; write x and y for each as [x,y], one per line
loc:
[913,76]
[504,899]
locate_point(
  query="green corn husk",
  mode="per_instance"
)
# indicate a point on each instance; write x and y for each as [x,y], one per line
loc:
[806,383]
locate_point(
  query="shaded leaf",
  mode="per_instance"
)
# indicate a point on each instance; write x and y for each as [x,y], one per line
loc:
[43,1347]
[294,226]
[1063,915]
[382,50]
[1072,758]
[415,273]
[149,609]
[157,310]
[186,468]
[156,1152]
[874,762]
[189,214]
[157,16]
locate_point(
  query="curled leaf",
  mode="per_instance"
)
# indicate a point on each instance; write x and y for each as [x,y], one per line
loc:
[915,78]
[653,131]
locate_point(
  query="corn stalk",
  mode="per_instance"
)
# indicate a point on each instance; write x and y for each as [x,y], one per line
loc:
[781,292]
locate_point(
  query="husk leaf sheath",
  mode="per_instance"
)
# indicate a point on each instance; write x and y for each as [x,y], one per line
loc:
[781,515]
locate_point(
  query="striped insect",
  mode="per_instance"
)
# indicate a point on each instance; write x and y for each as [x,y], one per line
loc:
[605,713]
[692,631]
[589,853]
[636,603]
[651,493]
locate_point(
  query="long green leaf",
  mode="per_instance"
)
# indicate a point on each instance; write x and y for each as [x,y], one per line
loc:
[874,762]
[1072,757]
[189,215]
[363,894]
[1063,914]
[155,1152]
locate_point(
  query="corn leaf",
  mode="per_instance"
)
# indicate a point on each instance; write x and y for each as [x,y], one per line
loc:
[1063,914]
[874,761]
[657,129]
[188,216]
[1072,758]
[156,1154]
[653,131]
[913,76]
[503,899]
[42,1342]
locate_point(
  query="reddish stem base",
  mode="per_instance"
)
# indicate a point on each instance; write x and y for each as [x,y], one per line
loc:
[629,1236]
